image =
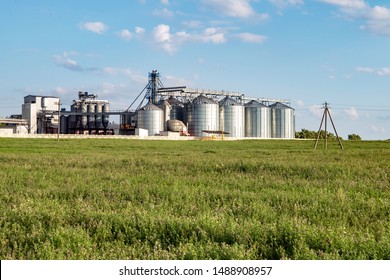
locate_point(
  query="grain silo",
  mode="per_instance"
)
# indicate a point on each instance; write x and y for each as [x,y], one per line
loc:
[105,117]
[282,121]
[257,120]
[232,117]
[150,117]
[202,114]
[177,109]
[91,116]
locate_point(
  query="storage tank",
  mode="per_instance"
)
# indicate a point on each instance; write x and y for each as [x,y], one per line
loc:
[177,109]
[98,116]
[282,121]
[91,115]
[202,114]
[257,120]
[176,126]
[73,116]
[150,117]
[106,117]
[166,107]
[84,122]
[232,117]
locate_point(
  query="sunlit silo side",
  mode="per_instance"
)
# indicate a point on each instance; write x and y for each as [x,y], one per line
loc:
[91,115]
[232,117]
[177,109]
[257,120]
[150,117]
[166,107]
[106,117]
[202,114]
[282,121]
[83,107]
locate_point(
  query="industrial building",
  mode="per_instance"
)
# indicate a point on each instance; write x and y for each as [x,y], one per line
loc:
[161,110]
[202,113]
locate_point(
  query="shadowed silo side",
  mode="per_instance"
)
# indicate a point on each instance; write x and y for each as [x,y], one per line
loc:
[150,117]
[202,114]
[232,117]
[106,118]
[282,121]
[257,120]
[177,109]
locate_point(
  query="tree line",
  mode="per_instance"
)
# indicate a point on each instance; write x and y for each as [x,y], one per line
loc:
[310,134]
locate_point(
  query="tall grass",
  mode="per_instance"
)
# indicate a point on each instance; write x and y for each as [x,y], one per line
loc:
[131,199]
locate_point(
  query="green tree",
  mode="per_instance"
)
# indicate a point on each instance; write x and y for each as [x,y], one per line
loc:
[354,137]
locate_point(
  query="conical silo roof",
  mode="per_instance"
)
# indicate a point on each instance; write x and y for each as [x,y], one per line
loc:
[228,101]
[201,99]
[173,101]
[150,107]
[254,104]
[279,105]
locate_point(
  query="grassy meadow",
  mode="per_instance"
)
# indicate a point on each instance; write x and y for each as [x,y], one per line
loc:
[252,199]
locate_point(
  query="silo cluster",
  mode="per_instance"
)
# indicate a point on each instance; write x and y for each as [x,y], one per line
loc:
[86,116]
[203,116]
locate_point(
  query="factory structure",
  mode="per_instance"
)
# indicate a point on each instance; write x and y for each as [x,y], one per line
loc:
[202,113]
[165,111]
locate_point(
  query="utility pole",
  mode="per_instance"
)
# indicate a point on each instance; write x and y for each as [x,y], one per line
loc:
[325,116]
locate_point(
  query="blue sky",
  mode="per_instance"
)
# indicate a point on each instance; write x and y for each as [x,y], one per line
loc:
[306,51]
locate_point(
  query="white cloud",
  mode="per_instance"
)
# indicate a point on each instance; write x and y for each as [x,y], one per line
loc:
[165,2]
[213,35]
[377,18]
[162,36]
[383,71]
[300,103]
[251,38]
[66,62]
[234,8]
[163,13]
[347,4]
[192,24]
[132,75]
[352,114]
[96,27]
[125,34]
[170,42]
[285,3]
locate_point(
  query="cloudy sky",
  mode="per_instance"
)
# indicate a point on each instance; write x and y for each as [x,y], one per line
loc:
[306,51]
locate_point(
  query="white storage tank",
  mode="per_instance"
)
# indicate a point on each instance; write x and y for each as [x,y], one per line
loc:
[282,121]
[150,117]
[257,120]
[202,114]
[232,117]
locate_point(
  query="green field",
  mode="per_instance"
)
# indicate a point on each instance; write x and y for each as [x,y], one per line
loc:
[134,199]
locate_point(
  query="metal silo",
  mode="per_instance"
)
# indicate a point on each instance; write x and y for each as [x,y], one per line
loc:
[202,114]
[84,123]
[177,109]
[282,121]
[73,116]
[232,117]
[150,117]
[105,118]
[91,115]
[257,120]
[98,116]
